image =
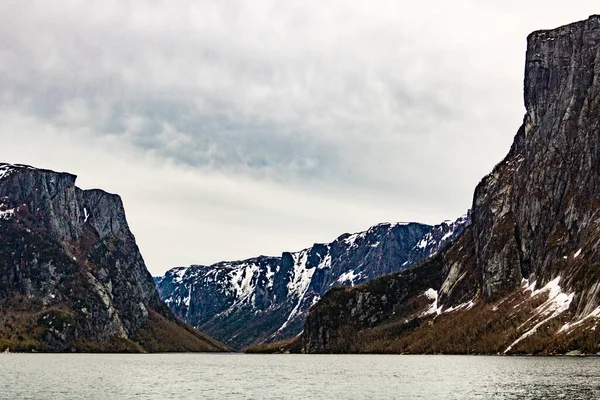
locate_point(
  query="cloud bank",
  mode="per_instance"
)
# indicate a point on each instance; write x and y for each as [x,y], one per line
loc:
[235,128]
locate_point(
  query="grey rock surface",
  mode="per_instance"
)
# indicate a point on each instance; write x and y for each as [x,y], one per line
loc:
[70,270]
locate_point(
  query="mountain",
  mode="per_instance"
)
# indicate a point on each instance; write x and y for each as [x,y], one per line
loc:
[265,299]
[71,275]
[524,276]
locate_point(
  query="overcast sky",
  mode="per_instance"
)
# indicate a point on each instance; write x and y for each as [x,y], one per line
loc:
[238,128]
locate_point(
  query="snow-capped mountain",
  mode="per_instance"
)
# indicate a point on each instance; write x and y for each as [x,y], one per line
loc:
[265,299]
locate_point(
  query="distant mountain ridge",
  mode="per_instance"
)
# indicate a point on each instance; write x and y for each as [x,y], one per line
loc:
[265,299]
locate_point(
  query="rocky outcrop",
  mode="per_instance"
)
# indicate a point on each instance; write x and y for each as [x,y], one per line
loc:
[524,277]
[266,299]
[71,275]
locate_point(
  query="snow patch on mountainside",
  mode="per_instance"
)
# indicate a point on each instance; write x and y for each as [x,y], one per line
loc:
[326,263]
[301,276]
[556,303]
[178,274]
[351,240]
[349,276]
[299,284]
[570,325]
[5,171]
[432,294]
[8,169]
[242,281]
[463,306]
[439,235]
[7,214]
[269,275]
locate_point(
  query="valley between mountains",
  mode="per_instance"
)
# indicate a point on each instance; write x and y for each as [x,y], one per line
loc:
[266,299]
[521,274]
[518,274]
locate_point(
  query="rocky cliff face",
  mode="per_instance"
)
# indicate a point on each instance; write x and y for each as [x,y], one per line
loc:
[524,277]
[71,275]
[266,299]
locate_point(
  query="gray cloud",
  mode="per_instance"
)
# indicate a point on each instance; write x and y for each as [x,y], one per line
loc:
[291,121]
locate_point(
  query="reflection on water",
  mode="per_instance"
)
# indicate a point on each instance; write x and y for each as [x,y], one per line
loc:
[237,376]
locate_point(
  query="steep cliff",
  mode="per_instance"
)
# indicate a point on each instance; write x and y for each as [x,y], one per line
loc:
[265,299]
[524,277]
[71,275]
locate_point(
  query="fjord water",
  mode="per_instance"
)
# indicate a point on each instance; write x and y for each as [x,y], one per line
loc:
[237,376]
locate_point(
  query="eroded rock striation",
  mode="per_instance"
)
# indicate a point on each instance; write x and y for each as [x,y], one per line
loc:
[266,299]
[71,275]
[524,276]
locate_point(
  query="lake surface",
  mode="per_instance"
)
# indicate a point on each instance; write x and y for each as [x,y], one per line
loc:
[238,376]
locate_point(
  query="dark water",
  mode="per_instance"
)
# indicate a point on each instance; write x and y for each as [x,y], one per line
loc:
[236,376]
